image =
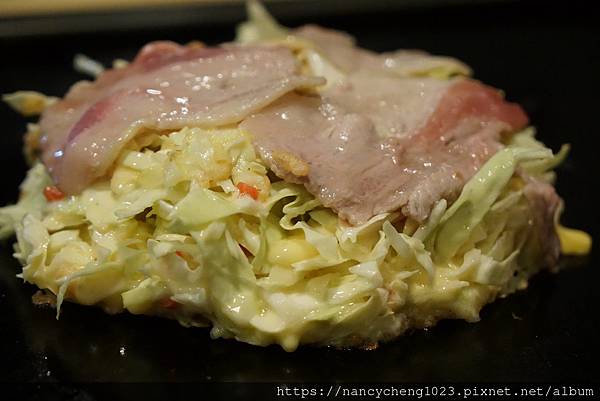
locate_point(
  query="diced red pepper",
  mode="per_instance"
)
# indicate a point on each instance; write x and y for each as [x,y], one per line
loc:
[168,303]
[181,254]
[52,193]
[248,190]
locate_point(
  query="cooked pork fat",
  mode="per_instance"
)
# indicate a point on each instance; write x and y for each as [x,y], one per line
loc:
[167,87]
[381,138]
[376,144]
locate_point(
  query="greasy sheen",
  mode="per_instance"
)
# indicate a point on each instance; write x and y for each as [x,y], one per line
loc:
[377,144]
[382,138]
[167,87]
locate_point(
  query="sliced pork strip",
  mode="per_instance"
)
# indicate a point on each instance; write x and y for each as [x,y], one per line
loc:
[368,154]
[471,99]
[401,107]
[340,48]
[343,153]
[440,170]
[59,119]
[397,106]
[166,91]
[545,203]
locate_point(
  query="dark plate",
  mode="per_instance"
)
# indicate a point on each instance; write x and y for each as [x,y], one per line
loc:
[545,57]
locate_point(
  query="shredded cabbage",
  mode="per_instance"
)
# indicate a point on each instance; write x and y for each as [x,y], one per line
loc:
[88,66]
[260,26]
[171,225]
[28,103]
[170,233]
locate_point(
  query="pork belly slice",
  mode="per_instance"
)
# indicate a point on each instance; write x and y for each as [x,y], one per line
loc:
[340,48]
[371,143]
[545,203]
[376,144]
[167,87]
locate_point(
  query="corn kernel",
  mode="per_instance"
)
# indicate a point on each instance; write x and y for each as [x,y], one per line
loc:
[285,252]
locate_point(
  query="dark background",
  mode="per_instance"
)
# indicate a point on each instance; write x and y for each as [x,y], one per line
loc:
[545,55]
